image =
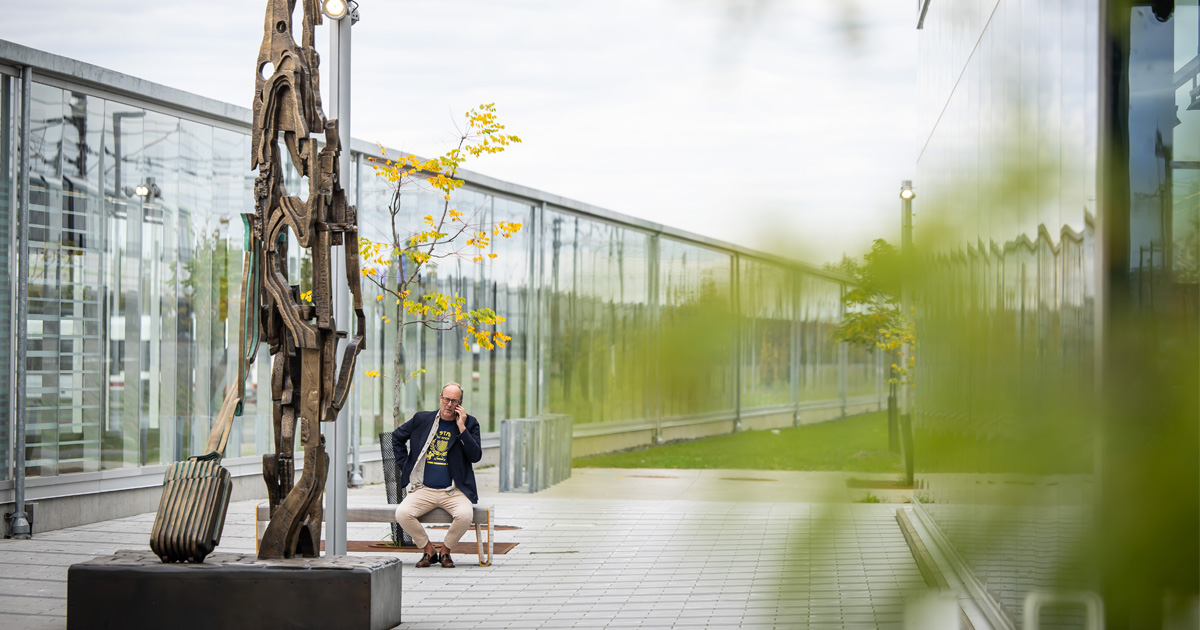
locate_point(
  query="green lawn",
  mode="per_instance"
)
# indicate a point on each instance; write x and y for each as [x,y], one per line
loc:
[857,444]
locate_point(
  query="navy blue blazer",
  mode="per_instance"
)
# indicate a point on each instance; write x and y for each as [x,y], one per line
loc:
[464,450]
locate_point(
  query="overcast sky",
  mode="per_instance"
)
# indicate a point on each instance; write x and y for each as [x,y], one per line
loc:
[785,125]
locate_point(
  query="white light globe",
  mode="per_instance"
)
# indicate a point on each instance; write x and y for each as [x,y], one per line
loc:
[334,9]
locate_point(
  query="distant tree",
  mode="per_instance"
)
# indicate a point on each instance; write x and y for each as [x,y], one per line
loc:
[875,320]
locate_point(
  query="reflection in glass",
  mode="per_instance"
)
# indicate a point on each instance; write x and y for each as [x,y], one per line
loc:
[596,285]
[820,311]
[766,326]
[1009,456]
[45,213]
[698,330]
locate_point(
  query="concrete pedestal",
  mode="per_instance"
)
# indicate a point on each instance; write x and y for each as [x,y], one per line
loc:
[134,589]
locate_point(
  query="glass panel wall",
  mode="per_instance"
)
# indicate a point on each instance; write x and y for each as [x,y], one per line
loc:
[1150,335]
[136,269]
[130,294]
[45,219]
[767,303]
[819,313]
[697,358]
[1004,311]
[596,279]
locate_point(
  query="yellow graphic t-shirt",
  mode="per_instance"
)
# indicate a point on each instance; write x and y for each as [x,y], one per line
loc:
[437,471]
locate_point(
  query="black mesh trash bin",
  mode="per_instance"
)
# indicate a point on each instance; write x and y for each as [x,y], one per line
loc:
[391,478]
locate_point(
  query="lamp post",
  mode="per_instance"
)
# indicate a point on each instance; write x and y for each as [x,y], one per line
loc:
[906,437]
[907,194]
[342,14]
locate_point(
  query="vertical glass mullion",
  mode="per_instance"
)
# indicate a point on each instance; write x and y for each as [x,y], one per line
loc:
[8,174]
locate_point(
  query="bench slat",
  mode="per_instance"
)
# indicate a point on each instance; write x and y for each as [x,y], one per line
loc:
[387,514]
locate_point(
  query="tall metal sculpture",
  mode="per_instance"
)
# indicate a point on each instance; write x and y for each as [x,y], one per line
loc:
[307,386]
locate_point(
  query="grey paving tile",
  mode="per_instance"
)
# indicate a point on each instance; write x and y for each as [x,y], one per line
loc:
[638,563]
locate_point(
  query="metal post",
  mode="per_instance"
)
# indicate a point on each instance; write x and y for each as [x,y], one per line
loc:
[906,197]
[19,524]
[533,317]
[338,435]
[905,410]
[355,402]
[797,330]
[654,357]
[738,331]
[843,356]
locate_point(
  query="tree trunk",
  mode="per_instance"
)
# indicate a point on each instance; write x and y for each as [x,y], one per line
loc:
[398,373]
[893,411]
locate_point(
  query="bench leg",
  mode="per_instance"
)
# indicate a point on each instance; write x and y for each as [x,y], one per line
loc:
[479,542]
[479,546]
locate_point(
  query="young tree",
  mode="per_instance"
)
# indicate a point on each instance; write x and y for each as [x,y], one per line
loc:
[396,266]
[875,319]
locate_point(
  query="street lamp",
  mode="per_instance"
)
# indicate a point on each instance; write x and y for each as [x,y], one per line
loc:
[905,417]
[906,196]
[339,434]
[335,9]
[338,9]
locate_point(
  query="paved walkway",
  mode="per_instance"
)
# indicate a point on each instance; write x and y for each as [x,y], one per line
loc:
[606,549]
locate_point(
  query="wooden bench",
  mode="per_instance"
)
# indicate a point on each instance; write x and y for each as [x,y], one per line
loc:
[481,517]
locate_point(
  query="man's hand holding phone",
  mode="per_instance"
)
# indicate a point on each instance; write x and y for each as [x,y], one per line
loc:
[461,417]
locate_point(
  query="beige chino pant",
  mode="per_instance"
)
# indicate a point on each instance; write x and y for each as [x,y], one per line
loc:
[420,502]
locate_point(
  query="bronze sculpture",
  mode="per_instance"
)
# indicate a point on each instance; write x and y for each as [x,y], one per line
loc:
[306,385]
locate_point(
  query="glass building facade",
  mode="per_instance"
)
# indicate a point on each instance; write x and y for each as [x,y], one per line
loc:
[1057,303]
[132,298]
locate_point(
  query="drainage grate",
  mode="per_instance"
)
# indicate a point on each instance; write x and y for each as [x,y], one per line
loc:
[746,479]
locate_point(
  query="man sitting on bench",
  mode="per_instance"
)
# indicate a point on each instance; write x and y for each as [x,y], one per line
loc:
[437,471]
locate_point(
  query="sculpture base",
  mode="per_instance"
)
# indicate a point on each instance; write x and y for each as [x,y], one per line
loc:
[133,589]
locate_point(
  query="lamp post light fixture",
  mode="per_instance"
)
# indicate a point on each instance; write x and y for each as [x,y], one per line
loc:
[338,9]
[906,190]
[335,9]
[148,191]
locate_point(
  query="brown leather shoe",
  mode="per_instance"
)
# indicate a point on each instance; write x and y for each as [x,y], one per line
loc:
[446,561]
[424,561]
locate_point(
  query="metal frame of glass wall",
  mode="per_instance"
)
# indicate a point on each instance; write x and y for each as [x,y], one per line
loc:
[623,324]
